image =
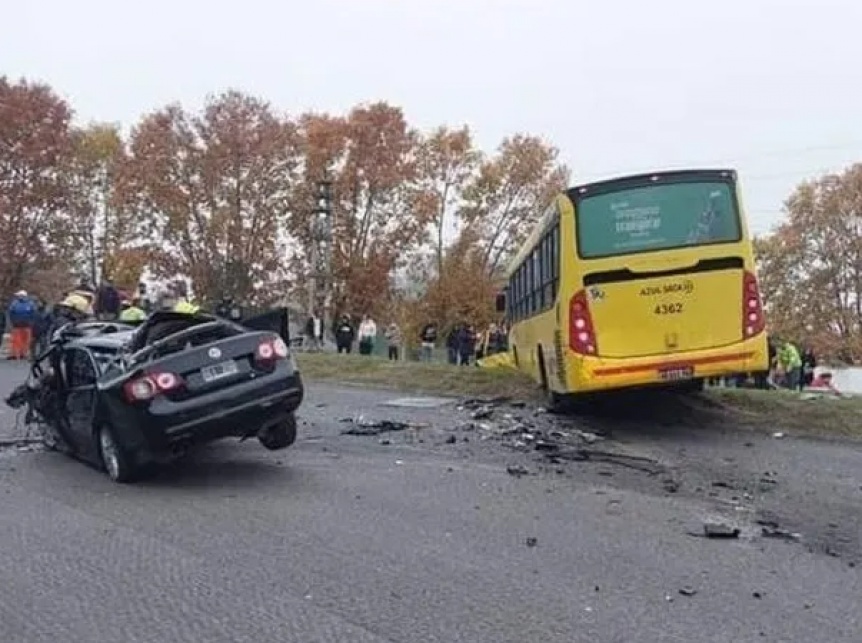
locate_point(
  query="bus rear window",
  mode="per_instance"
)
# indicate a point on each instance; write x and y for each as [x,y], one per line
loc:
[657,217]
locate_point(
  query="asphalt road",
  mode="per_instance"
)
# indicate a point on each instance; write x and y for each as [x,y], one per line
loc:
[409,537]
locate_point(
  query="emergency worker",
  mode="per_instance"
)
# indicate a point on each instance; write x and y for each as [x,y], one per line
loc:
[132,312]
[186,307]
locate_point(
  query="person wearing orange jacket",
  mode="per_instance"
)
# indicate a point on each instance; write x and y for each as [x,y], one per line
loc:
[22,315]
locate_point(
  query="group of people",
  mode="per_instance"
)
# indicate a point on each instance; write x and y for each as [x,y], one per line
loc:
[463,344]
[790,368]
[31,321]
[793,369]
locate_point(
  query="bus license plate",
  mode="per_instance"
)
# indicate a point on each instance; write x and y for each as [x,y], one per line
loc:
[218,371]
[674,374]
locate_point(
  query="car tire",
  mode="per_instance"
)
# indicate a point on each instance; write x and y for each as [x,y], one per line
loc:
[279,436]
[116,462]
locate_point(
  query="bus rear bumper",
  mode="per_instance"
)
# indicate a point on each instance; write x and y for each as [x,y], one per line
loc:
[600,374]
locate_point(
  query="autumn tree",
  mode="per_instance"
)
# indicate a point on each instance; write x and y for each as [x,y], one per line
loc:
[111,242]
[446,160]
[508,195]
[34,149]
[811,266]
[370,156]
[215,191]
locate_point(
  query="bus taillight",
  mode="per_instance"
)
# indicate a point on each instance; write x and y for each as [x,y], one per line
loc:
[582,335]
[753,322]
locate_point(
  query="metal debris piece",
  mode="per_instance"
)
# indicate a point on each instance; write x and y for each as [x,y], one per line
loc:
[365,427]
[719,530]
[777,532]
[532,541]
[483,413]
[688,591]
[638,463]
[517,470]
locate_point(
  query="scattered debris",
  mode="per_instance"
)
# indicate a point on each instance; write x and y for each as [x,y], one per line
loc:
[688,591]
[483,413]
[639,463]
[757,595]
[451,439]
[720,530]
[778,434]
[776,532]
[368,427]
[532,541]
[722,485]
[517,471]
[768,477]
[671,485]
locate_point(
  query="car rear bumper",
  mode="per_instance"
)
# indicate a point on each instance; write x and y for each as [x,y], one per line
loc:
[164,425]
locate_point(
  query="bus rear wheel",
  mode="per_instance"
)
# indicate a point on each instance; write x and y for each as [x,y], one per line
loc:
[553,400]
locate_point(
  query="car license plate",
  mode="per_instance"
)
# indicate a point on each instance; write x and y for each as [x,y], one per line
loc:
[218,371]
[679,373]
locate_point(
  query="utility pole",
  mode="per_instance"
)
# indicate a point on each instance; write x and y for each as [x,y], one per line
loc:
[320,279]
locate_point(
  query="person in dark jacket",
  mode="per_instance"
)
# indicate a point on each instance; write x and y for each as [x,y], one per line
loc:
[452,344]
[229,309]
[40,330]
[466,344]
[344,334]
[809,363]
[108,301]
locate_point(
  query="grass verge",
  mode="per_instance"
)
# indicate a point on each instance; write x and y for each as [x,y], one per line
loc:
[787,410]
[416,377]
[765,410]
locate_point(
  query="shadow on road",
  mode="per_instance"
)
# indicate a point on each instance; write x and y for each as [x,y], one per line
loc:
[213,467]
[651,413]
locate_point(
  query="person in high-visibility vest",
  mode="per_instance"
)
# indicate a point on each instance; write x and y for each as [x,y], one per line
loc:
[132,312]
[186,307]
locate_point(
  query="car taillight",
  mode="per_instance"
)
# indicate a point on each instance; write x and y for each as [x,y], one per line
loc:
[753,322]
[149,386]
[271,350]
[582,335]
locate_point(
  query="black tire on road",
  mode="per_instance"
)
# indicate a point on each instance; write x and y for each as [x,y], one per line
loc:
[115,461]
[554,402]
[279,436]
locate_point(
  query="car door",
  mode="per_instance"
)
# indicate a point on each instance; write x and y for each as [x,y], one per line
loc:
[275,321]
[81,376]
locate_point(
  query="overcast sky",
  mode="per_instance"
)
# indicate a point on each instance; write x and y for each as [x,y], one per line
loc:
[771,87]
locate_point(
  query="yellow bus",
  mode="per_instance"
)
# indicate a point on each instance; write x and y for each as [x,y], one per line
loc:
[637,281]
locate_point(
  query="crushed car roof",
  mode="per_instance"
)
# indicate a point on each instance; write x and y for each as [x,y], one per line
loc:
[108,340]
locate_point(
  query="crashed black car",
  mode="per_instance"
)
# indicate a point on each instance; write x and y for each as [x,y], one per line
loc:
[126,398]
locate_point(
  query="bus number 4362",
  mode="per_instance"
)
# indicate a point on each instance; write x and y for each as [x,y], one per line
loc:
[668,309]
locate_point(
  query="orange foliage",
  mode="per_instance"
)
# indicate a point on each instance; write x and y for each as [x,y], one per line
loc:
[214,189]
[34,150]
[811,267]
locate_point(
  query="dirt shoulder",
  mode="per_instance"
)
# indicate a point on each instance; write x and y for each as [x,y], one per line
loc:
[765,410]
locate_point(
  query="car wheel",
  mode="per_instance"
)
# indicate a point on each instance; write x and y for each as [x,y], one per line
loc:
[279,436]
[114,460]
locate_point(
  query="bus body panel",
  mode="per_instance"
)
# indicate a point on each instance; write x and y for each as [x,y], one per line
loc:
[664,315]
[657,315]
